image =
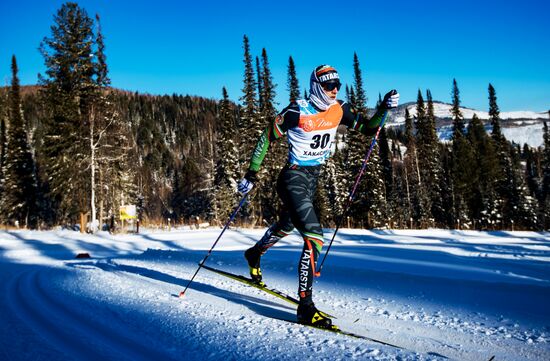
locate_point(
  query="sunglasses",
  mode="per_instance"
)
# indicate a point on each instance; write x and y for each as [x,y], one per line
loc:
[331,85]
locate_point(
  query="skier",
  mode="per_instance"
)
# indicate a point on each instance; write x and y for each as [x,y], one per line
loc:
[311,129]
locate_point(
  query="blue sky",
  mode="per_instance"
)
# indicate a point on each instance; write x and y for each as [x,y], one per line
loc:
[195,48]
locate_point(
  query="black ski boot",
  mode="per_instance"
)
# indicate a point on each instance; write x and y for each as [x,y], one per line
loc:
[308,314]
[253,256]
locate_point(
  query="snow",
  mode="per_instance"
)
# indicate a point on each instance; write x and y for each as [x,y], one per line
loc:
[443,110]
[466,295]
[526,133]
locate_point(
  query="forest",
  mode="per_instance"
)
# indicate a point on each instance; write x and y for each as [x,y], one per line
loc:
[74,149]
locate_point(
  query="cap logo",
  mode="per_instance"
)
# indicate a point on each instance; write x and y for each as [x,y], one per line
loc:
[329,76]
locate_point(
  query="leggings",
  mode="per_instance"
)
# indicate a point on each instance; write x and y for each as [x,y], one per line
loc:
[296,187]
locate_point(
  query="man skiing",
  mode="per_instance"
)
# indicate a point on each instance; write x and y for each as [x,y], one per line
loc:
[310,126]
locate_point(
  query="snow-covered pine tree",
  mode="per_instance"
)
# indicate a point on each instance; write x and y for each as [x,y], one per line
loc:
[434,171]
[336,188]
[409,136]
[462,166]
[249,126]
[19,201]
[458,118]
[532,175]
[485,167]
[248,120]
[387,170]
[410,172]
[385,159]
[260,83]
[422,204]
[446,185]
[113,182]
[3,136]
[523,208]
[276,158]
[369,206]
[225,175]
[504,177]
[293,85]
[69,93]
[545,191]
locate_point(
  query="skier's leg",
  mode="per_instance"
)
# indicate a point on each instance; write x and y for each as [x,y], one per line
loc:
[300,186]
[274,233]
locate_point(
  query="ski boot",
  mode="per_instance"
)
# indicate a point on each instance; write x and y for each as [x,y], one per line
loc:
[309,315]
[252,256]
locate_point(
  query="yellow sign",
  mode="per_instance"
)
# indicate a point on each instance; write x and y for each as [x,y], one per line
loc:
[128,212]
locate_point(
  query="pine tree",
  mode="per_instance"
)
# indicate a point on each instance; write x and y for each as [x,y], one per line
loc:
[545,191]
[260,83]
[458,119]
[292,82]
[336,187]
[462,170]
[410,173]
[225,183]
[111,148]
[275,159]
[532,175]
[3,137]
[504,181]
[19,201]
[360,94]
[521,206]
[369,206]
[69,89]
[422,149]
[385,160]
[433,170]
[249,125]
[484,206]
[409,128]
[494,115]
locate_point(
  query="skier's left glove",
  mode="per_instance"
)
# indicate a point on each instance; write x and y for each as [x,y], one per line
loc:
[247,183]
[391,99]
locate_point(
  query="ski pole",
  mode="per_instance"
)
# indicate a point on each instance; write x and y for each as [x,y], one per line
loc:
[182,293]
[352,192]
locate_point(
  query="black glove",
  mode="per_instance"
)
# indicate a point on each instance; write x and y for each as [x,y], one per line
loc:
[247,183]
[391,99]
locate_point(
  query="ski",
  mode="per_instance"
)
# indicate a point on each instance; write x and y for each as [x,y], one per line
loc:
[251,283]
[339,331]
[272,291]
[355,335]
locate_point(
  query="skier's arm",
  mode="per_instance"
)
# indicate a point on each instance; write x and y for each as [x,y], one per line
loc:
[365,125]
[276,129]
[361,123]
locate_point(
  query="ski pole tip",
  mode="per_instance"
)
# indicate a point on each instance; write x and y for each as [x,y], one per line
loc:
[182,293]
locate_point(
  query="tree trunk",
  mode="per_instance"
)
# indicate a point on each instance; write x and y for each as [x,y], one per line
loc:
[82,222]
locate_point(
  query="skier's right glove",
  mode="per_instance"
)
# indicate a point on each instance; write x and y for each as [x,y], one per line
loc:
[247,183]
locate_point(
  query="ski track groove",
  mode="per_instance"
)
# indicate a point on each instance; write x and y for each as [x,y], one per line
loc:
[81,338]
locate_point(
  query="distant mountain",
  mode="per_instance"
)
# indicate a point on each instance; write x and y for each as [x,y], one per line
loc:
[518,126]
